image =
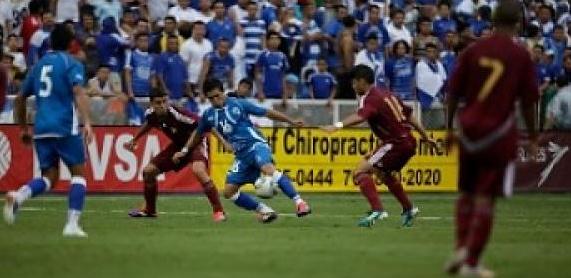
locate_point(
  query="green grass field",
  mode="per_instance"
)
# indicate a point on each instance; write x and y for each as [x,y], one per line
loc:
[532,238]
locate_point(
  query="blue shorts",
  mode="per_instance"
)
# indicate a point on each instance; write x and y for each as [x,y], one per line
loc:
[246,167]
[51,150]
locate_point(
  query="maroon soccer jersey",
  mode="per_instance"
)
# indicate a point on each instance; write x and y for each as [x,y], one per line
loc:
[386,114]
[177,124]
[491,76]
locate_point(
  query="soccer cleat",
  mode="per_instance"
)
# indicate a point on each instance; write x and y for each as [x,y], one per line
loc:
[475,271]
[10,208]
[455,262]
[73,230]
[219,216]
[372,217]
[407,217]
[267,217]
[141,213]
[303,209]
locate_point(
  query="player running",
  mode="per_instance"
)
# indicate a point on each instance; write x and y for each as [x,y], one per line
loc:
[390,121]
[57,83]
[490,76]
[178,125]
[230,117]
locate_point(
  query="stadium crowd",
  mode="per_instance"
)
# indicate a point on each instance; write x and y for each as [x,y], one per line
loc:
[277,49]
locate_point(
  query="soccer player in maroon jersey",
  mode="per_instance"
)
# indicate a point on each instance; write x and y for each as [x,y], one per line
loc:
[491,75]
[391,121]
[178,125]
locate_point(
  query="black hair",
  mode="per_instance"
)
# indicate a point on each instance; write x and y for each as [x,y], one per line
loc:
[246,81]
[170,17]
[172,37]
[444,3]
[349,21]
[212,84]
[272,33]
[363,72]
[19,75]
[372,36]
[142,34]
[157,92]
[558,27]
[431,45]
[507,13]
[397,43]
[199,22]
[540,47]
[61,37]
[11,36]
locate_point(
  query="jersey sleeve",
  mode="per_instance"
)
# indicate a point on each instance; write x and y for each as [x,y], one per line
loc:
[76,74]
[251,108]
[367,109]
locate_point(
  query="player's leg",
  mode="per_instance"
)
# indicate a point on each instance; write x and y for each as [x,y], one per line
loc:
[201,172]
[264,160]
[363,177]
[48,159]
[150,192]
[395,187]
[72,152]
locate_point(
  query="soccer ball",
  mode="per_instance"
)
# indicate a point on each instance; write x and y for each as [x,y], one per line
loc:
[265,187]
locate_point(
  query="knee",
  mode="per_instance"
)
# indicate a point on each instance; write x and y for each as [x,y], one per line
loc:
[230,191]
[358,175]
[149,172]
[199,169]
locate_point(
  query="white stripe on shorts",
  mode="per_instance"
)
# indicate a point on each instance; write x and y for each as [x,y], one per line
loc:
[509,177]
[379,154]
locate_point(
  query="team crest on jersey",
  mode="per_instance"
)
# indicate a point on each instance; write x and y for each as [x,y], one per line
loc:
[236,111]
[226,127]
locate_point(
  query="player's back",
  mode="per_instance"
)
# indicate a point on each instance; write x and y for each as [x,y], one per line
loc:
[51,81]
[386,114]
[491,75]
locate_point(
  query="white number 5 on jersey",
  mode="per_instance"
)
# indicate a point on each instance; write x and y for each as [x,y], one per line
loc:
[46,81]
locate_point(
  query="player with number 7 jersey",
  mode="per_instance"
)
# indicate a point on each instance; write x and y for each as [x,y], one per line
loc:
[391,121]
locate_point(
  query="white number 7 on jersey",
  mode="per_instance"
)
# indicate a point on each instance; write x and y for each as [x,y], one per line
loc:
[46,81]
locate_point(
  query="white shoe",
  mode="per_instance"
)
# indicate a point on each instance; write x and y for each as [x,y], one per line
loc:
[456,261]
[478,271]
[266,214]
[71,230]
[10,208]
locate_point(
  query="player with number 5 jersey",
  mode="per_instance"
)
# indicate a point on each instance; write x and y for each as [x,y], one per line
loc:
[57,82]
[391,121]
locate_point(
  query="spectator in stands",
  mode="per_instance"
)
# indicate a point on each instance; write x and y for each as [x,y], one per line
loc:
[361,10]
[558,42]
[182,12]
[312,43]
[12,48]
[159,43]
[322,84]
[254,31]
[193,51]
[142,26]
[423,37]
[221,26]
[292,36]
[74,48]
[139,68]
[111,48]
[92,58]
[400,71]
[347,48]
[127,24]
[430,78]
[204,13]
[107,8]
[158,10]
[397,30]
[87,28]
[270,70]
[544,20]
[238,51]
[373,57]
[244,89]
[332,31]
[239,11]
[374,25]
[219,65]
[172,74]
[534,37]
[40,41]
[31,24]
[3,86]
[444,22]
[427,7]
[448,53]
[482,20]
[6,18]
[542,69]
[270,11]
[108,102]
[559,108]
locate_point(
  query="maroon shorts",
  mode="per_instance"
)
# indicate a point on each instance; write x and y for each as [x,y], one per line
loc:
[163,161]
[392,156]
[483,177]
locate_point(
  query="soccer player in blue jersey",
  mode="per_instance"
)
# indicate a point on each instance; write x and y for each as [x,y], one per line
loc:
[230,117]
[57,83]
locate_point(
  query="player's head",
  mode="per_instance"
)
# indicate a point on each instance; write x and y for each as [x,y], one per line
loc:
[507,14]
[363,79]
[159,101]
[214,91]
[61,37]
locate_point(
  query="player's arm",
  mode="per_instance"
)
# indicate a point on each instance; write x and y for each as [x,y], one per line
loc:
[278,116]
[413,121]
[351,120]
[82,103]
[132,144]
[193,140]
[20,106]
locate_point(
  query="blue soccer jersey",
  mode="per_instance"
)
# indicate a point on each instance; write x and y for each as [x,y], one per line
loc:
[141,66]
[400,75]
[233,123]
[322,83]
[273,65]
[51,80]
[221,29]
[173,70]
[220,67]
